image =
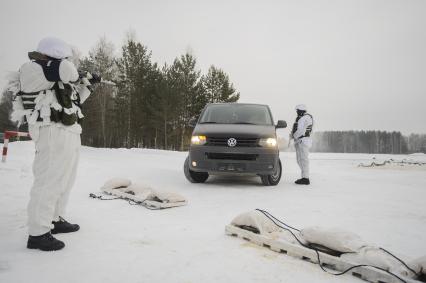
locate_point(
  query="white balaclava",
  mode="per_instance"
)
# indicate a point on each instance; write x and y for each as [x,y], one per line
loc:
[301,110]
[301,107]
[54,47]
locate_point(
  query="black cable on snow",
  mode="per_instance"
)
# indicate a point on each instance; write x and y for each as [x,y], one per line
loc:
[273,219]
[130,201]
[401,261]
[101,197]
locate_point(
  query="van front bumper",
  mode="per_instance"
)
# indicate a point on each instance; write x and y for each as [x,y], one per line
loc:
[233,160]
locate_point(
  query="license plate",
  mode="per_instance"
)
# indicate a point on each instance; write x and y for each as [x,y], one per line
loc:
[232,167]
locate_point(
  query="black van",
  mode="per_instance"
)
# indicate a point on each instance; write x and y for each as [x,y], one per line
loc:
[234,138]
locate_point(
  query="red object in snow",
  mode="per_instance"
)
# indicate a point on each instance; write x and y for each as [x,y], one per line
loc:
[7,136]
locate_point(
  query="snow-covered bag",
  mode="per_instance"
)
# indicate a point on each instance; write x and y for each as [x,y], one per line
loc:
[116,183]
[143,194]
[421,262]
[333,238]
[258,222]
[255,219]
[374,256]
[169,197]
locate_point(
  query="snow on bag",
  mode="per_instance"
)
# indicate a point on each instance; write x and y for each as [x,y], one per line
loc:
[116,183]
[375,256]
[421,262]
[169,197]
[142,194]
[256,221]
[333,238]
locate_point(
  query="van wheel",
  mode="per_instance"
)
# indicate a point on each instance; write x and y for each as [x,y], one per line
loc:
[273,179]
[192,176]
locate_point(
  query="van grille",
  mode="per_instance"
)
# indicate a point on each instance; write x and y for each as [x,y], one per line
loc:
[231,156]
[241,142]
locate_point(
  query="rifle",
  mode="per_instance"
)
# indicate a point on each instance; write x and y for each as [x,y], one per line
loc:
[93,78]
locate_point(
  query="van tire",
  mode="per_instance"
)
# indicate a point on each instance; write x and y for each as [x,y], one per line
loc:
[273,179]
[192,176]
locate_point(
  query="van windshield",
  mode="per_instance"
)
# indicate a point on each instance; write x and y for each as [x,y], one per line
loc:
[237,114]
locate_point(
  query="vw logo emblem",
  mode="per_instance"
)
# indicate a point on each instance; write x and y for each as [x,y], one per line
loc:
[232,142]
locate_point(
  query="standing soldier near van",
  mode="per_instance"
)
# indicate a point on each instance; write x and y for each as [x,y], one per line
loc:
[49,97]
[301,134]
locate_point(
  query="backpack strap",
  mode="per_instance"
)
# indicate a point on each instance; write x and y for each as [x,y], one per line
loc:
[50,69]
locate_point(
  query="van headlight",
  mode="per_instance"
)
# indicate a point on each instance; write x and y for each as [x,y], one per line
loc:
[268,142]
[198,140]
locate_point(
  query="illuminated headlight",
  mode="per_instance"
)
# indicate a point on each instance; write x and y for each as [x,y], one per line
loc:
[198,140]
[269,142]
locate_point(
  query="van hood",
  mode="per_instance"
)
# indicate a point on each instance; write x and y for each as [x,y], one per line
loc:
[235,130]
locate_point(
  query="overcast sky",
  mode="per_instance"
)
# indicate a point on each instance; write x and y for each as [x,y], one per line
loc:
[356,64]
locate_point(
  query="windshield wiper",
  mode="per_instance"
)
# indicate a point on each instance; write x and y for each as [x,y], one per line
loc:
[209,122]
[245,123]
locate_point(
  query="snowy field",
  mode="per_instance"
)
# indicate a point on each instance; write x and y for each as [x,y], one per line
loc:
[119,242]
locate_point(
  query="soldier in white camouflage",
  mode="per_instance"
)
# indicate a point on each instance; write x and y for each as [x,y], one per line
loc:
[301,133]
[49,97]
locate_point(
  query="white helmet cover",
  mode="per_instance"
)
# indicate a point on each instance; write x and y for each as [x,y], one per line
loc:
[301,107]
[54,47]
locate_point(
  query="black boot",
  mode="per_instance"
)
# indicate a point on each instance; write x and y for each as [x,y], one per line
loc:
[303,181]
[62,226]
[45,242]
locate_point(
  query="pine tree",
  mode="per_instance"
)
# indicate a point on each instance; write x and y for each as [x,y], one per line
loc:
[217,86]
[98,123]
[184,80]
[135,68]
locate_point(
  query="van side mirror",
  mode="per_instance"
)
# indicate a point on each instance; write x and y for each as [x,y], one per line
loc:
[281,124]
[192,122]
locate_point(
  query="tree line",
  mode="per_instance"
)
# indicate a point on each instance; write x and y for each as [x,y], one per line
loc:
[149,105]
[368,142]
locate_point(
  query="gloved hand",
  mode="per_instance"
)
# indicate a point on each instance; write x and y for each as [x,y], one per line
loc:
[95,79]
[91,78]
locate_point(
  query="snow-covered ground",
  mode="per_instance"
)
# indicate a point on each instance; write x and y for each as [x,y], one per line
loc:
[119,242]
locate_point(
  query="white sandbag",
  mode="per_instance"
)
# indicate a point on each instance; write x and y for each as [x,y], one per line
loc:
[286,236]
[116,183]
[143,191]
[422,263]
[265,226]
[168,197]
[142,194]
[333,238]
[139,188]
[376,257]
[257,220]
[139,191]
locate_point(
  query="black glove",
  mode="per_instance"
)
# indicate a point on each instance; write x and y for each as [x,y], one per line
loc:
[95,79]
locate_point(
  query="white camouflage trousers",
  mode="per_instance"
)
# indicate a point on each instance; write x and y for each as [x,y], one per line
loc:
[54,168]
[302,156]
